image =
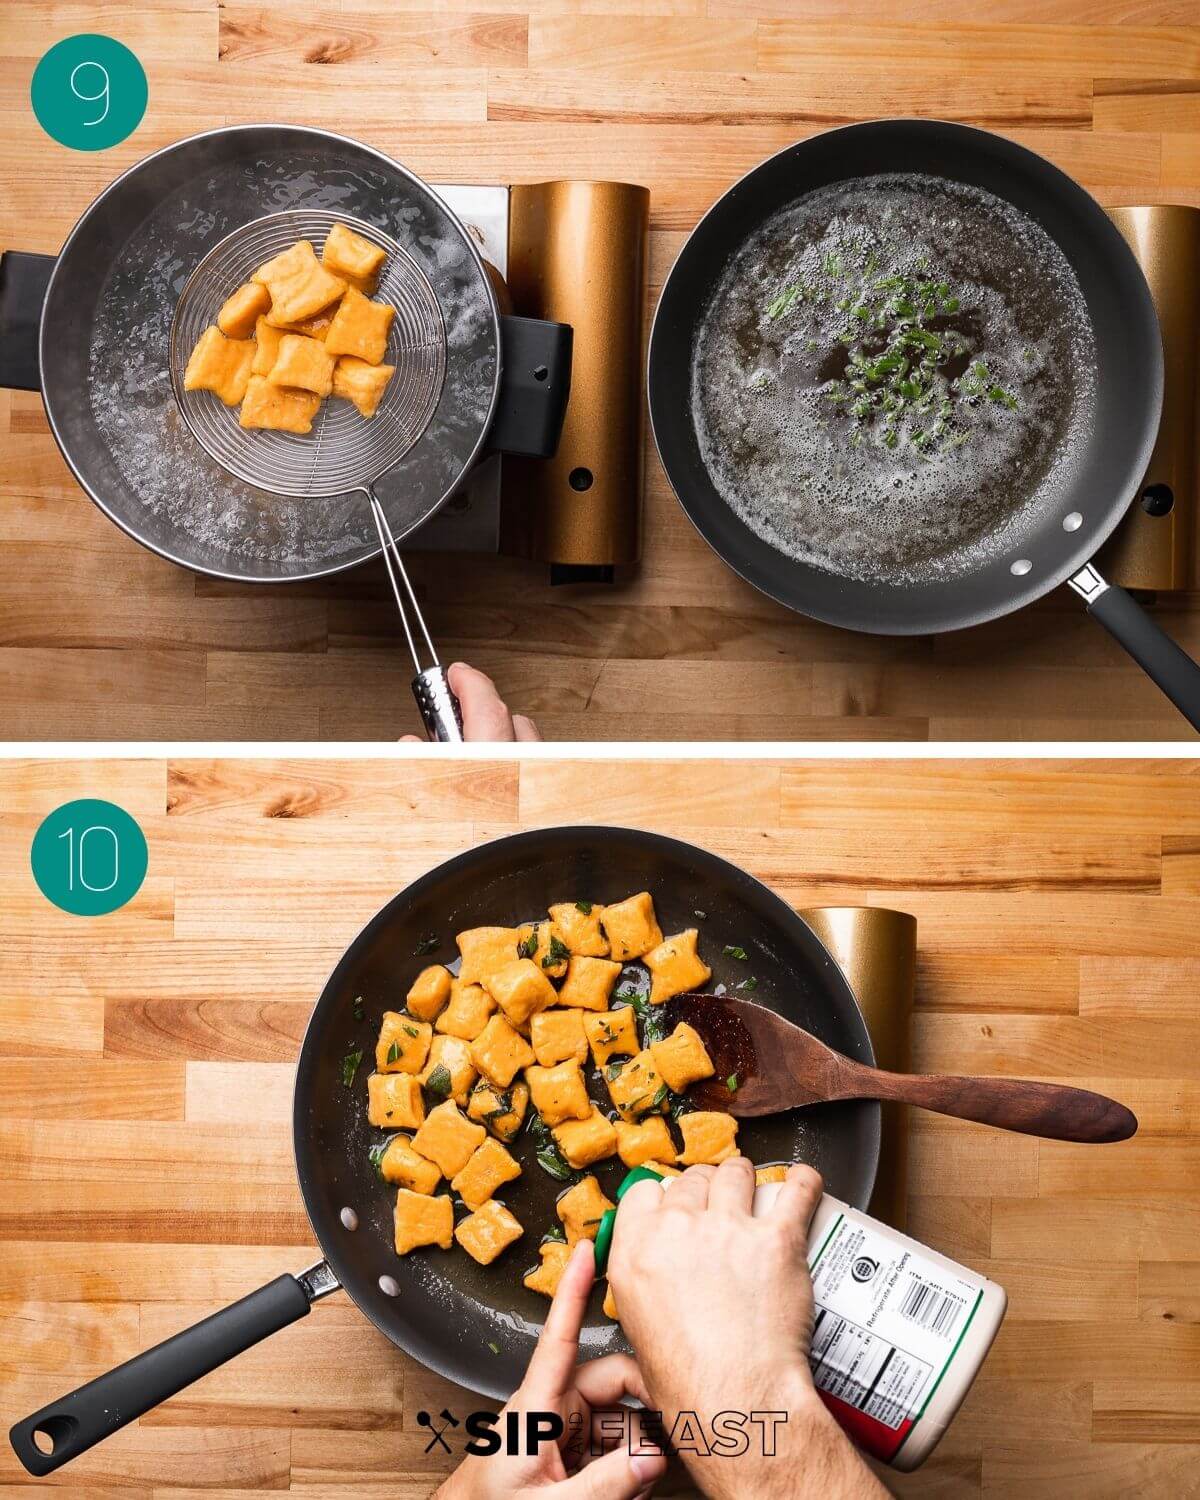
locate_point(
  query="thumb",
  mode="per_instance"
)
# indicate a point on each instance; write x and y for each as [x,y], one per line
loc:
[619,1475]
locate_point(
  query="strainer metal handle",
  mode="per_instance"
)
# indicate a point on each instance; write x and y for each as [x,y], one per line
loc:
[439,708]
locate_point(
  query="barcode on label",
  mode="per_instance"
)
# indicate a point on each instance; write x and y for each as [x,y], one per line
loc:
[930,1307]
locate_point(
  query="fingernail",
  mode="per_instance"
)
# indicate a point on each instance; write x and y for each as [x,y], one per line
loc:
[647,1466]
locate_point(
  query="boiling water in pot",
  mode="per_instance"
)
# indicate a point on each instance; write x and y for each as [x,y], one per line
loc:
[894,378]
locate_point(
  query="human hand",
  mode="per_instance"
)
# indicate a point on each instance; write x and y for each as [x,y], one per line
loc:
[485,714]
[718,1306]
[579,1394]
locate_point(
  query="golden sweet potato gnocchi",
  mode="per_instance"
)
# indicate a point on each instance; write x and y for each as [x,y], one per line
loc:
[531,1057]
[276,331]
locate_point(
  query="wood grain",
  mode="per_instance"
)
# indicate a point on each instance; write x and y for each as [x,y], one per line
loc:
[683,96]
[146,1067]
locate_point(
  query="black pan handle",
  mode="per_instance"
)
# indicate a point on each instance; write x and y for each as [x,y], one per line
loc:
[1165,663]
[76,1422]
[535,382]
[23,282]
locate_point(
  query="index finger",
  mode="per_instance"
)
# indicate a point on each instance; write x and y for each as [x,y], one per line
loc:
[485,714]
[552,1368]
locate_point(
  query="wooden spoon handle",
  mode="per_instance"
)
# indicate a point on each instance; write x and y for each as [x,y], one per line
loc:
[1045,1109]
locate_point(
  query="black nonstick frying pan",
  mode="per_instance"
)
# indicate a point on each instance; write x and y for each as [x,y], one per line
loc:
[1105,479]
[477,1326]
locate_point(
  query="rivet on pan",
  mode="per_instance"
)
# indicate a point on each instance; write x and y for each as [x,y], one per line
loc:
[1021,567]
[349,1219]
[389,1286]
[1072,522]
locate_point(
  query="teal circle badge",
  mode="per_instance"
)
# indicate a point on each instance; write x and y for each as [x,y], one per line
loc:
[89,92]
[89,857]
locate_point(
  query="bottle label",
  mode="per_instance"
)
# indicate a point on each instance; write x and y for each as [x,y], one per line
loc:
[887,1326]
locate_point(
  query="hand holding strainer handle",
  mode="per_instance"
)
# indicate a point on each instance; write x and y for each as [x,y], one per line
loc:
[440,711]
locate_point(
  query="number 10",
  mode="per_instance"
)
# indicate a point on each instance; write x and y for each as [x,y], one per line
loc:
[76,858]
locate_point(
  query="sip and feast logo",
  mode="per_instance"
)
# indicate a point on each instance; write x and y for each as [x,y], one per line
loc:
[726,1434]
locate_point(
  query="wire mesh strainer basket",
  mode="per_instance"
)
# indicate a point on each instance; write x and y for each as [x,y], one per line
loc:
[344,451]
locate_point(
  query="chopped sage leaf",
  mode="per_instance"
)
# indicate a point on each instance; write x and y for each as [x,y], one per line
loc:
[428,944]
[350,1066]
[733,950]
[393,1052]
[585,907]
[559,954]
[731,1083]
[529,947]
[439,1081]
[376,1154]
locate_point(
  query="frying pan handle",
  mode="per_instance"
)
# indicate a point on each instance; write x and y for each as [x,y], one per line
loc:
[23,282]
[1165,663]
[78,1421]
[535,381]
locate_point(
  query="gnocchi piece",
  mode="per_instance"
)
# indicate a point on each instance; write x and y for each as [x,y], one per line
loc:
[490,1167]
[468,1011]
[502,1113]
[663,1168]
[559,1093]
[611,1031]
[298,283]
[360,327]
[610,1302]
[423,1220]
[303,363]
[394,1101]
[589,983]
[776,1172]
[636,1088]
[648,1141]
[557,1035]
[403,1044]
[578,924]
[581,1208]
[488,1232]
[266,347]
[352,256]
[407,1168]
[430,992]
[484,950]
[682,1058]
[448,1138]
[709,1135]
[277,407]
[500,1052]
[363,385]
[541,942]
[315,327]
[520,988]
[675,967]
[631,927]
[242,311]
[554,1256]
[220,365]
[449,1070]
[583,1142]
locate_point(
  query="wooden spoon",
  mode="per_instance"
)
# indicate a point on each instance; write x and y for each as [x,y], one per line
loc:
[778,1065]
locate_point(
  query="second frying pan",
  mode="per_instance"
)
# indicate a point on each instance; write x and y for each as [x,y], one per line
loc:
[1105,478]
[477,1326]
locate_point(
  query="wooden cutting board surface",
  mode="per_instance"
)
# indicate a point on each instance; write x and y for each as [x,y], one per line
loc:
[146,1065]
[99,639]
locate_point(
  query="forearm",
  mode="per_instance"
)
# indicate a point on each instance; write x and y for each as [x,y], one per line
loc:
[812,1459]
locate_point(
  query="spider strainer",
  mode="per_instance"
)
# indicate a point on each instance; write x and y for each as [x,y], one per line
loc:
[345,452]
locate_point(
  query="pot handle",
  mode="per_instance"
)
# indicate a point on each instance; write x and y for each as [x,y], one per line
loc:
[1165,663]
[23,282]
[535,381]
[78,1421]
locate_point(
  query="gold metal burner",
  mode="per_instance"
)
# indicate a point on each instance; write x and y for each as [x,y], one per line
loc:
[876,949]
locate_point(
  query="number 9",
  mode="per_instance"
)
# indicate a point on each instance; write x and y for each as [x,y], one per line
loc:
[92,98]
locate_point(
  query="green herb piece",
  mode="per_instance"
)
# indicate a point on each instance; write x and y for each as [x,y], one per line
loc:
[376,1154]
[439,1081]
[409,1030]
[549,1157]
[350,1066]
[786,299]
[747,984]
[555,1232]
[495,1348]
[393,1052]
[358,1007]
[733,950]
[529,947]
[428,944]
[585,907]
[679,1104]
[559,954]
[613,1069]
[731,1083]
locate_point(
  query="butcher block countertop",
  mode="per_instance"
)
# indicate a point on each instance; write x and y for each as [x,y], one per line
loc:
[146,1066]
[99,639]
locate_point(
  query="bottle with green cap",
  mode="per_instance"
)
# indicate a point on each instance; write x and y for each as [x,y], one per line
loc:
[899,1331]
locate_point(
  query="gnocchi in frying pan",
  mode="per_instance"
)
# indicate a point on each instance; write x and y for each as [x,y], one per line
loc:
[546,1051]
